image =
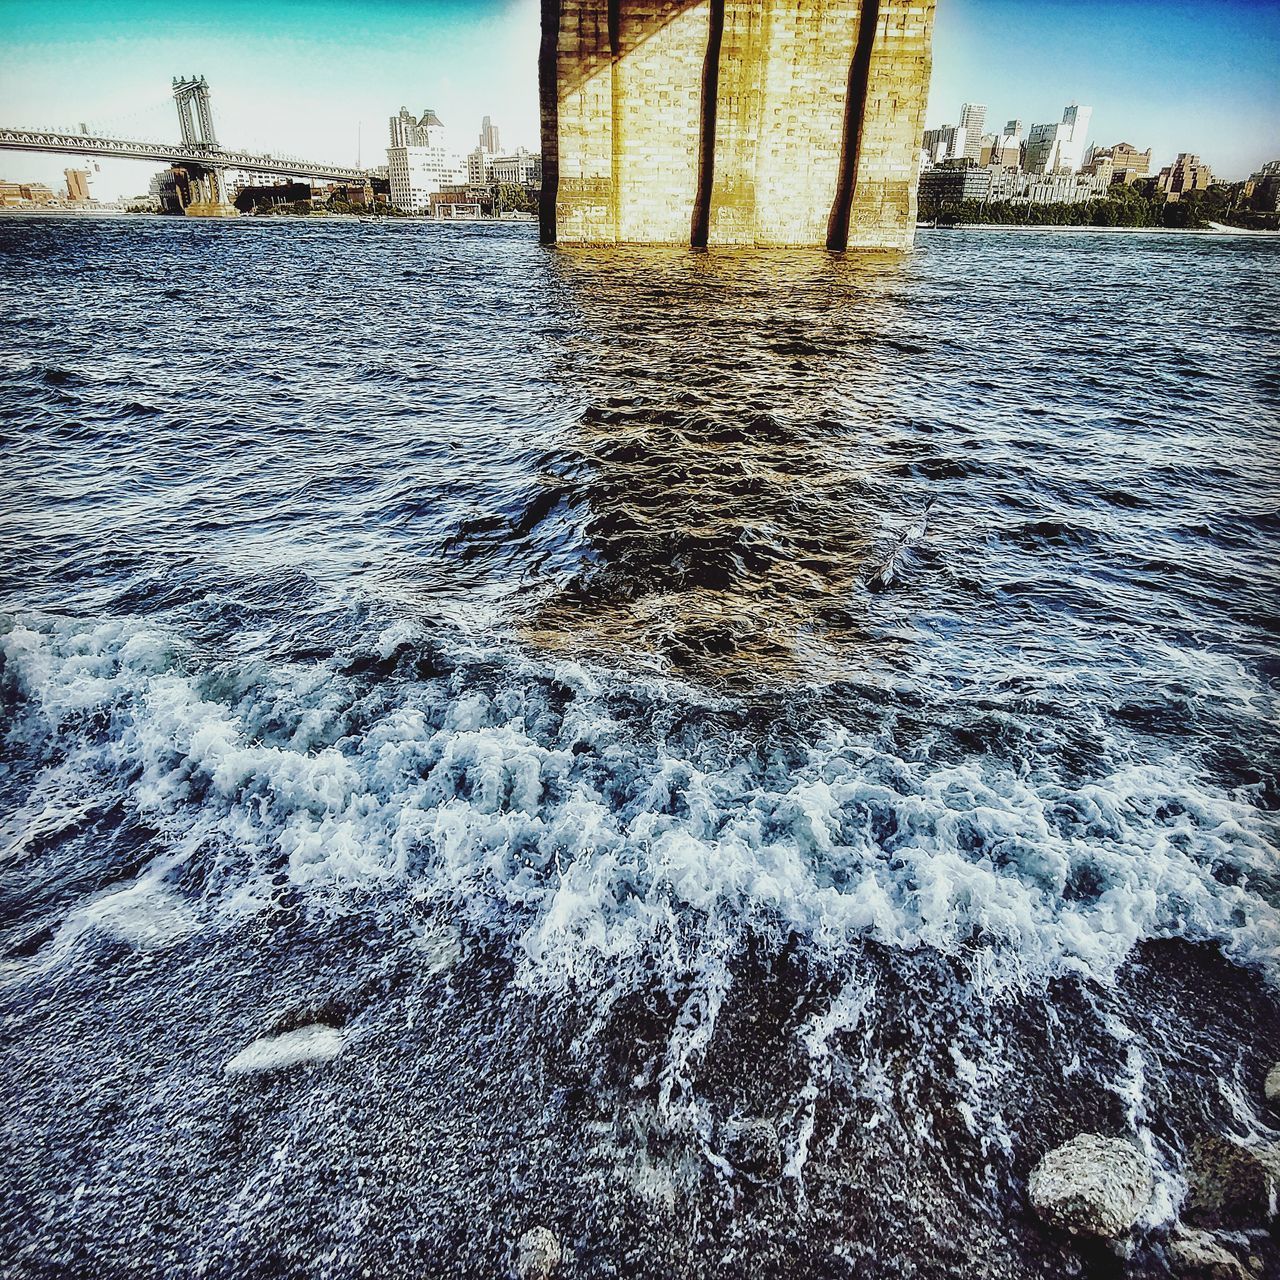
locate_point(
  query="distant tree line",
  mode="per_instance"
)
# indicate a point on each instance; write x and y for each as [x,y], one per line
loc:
[1123,206]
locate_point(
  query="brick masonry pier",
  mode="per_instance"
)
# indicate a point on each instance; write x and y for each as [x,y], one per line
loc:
[733,122]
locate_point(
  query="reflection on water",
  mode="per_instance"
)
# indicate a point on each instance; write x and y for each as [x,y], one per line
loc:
[537,707]
[725,458]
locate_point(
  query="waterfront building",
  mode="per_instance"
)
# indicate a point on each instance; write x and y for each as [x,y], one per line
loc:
[522,168]
[1059,148]
[1101,167]
[1262,189]
[457,201]
[1046,188]
[25,195]
[1128,164]
[417,173]
[973,119]
[1186,173]
[77,185]
[948,183]
[419,162]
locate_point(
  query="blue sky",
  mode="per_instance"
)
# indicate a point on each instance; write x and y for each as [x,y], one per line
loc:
[306,76]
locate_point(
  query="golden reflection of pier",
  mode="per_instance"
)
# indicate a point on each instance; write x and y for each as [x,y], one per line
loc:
[722,458]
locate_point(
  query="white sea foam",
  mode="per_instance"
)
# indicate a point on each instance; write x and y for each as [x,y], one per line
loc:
[594,850]
[314,1043]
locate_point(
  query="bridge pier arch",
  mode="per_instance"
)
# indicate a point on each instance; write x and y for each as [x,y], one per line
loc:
[209,195]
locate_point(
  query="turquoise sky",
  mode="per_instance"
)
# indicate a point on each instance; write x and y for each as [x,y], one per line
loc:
[312,77]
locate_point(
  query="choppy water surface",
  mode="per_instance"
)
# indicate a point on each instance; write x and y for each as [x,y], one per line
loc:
[615,699]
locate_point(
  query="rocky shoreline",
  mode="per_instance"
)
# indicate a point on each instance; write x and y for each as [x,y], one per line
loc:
[1102,1187]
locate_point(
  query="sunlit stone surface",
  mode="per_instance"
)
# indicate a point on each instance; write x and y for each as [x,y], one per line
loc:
[661,117]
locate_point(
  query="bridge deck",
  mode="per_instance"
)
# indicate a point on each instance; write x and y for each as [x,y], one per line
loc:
[81,144]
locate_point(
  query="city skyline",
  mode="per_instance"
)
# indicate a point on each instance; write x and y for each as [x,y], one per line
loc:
[302,78]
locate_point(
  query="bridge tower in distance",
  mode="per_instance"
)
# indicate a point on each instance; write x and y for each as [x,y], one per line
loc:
[195,118]
[197,125]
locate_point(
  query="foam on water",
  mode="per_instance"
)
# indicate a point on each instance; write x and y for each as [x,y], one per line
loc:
[599,853]
[501,691]
[288,1049]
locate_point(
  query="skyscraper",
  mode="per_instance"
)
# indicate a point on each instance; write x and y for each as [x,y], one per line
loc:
[489,136]
[77,184]
[419,162]
[1059,148]
[410,131]
[973,118]
[402,127]
[1076,118]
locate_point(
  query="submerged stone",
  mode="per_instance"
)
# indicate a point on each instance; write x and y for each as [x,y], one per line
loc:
[1092,1185]
[1197,1255]
[1231,1184]
[538,1254]
[753,1148]
[315,1043]
[1271,1088]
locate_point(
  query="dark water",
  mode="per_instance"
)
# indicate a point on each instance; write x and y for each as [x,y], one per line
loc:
[603,702]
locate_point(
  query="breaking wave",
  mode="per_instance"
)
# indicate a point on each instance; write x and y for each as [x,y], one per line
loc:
[603,853]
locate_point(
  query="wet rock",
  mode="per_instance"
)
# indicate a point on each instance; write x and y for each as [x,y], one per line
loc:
[537,1254]
[754,1148]
[1198,1255]
[1271,1087]
[315,1043]
[1092,1185]
[1231,1183]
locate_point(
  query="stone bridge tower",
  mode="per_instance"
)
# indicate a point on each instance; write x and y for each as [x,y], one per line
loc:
[734,122]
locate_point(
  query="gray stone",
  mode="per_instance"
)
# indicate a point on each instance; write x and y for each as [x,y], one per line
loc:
[1197,1255]
[1231,1183]
[1271,1088]
[1092,1185]
[538,1254]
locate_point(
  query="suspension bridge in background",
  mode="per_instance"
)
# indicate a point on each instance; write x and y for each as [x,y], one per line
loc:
[202,160]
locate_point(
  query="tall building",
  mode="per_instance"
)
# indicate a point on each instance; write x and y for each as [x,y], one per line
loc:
[77,185]
[1013,129]
[1001,151]
[1076,118]
[489,137]
[949,142]
[419,162]
[479,167]
[402,128]
[973,119]
[1059,148]
[23,194]
[1186,173]
[1262,190]
[410,131]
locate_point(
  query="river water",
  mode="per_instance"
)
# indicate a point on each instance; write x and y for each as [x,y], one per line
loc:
[727,757]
